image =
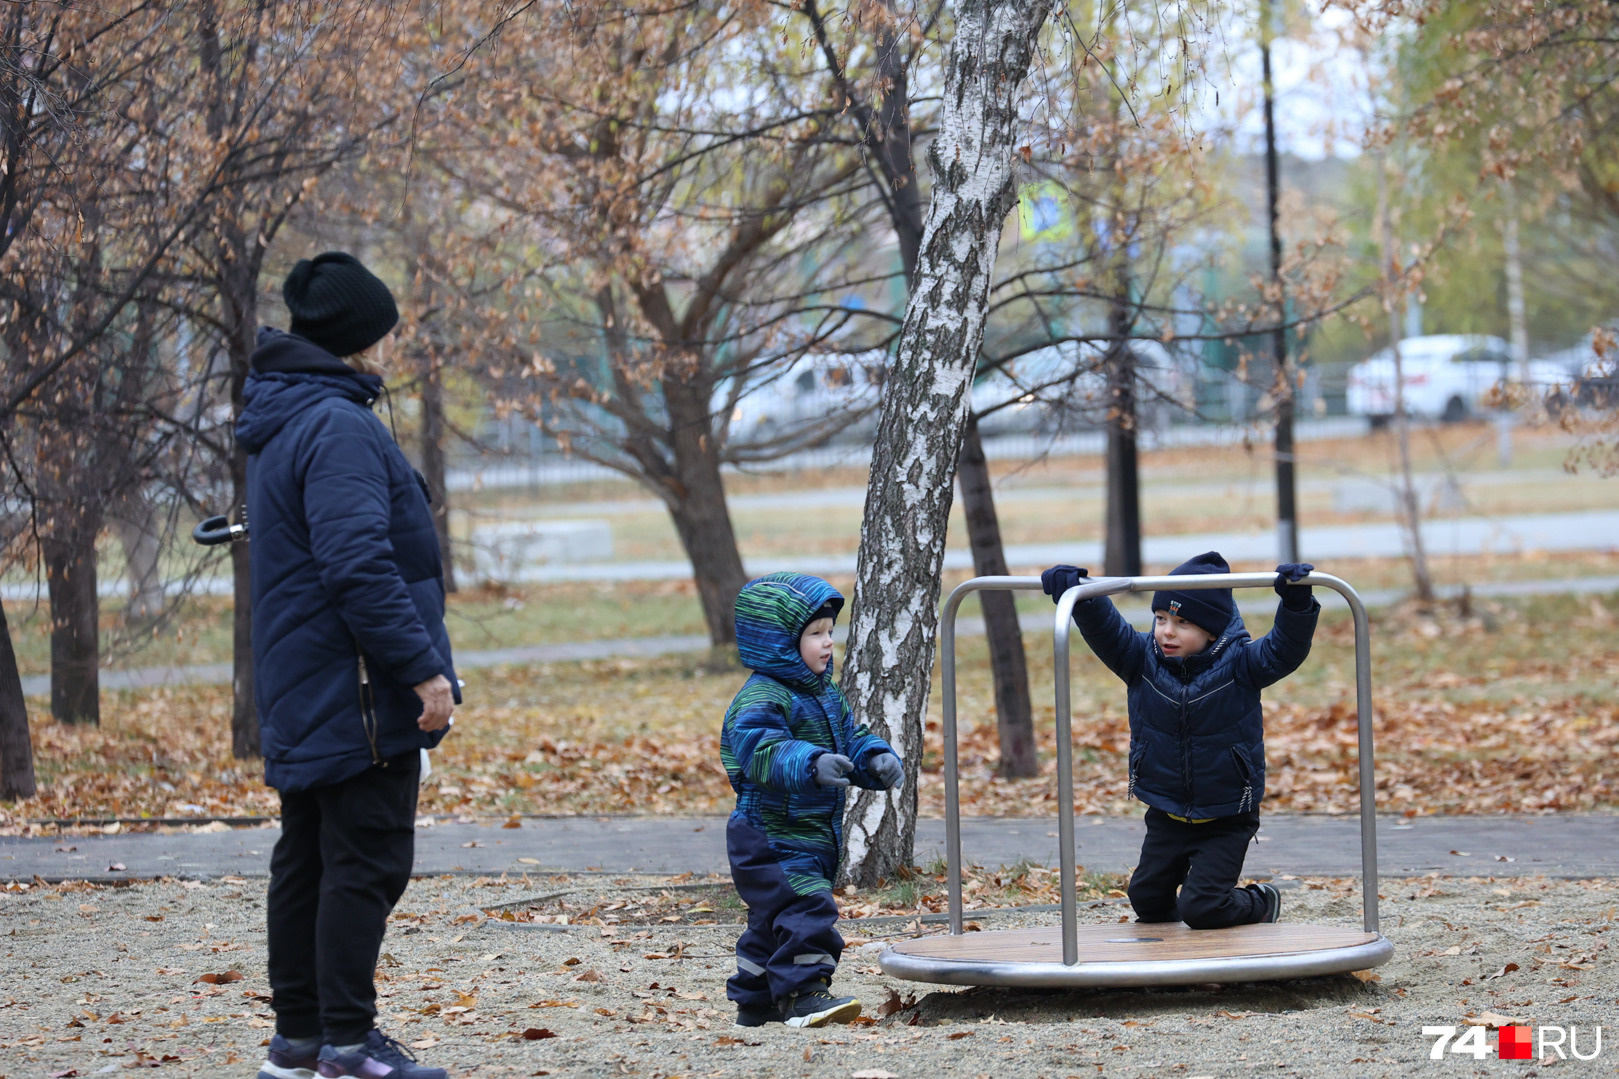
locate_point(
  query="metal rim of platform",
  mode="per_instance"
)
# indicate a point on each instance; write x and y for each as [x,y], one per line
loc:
[1121,974]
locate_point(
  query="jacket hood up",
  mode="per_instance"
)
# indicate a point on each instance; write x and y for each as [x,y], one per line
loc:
[771,613]
[289,375]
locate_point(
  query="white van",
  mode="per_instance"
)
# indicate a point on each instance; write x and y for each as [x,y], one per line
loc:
[1065,387]
[819,392]
[1446,377]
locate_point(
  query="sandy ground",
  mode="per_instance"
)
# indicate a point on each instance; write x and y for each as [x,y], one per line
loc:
[103,980]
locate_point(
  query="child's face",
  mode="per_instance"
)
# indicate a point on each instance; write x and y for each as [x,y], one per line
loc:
[815,644]
[1178,637]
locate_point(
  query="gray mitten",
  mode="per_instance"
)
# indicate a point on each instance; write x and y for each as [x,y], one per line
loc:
[887,769]
[831,768]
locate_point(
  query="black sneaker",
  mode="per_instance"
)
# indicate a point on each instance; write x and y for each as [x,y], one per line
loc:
[756,1017]
[1273,901]
[289,1060]
[381,1057]
[817,1007]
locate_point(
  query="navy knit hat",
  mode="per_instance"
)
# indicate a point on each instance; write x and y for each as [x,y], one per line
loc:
[829,609]
[338,304]
[1211,609]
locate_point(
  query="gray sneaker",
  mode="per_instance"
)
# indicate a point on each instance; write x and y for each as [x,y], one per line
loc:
[288,1060]
[1273,901]
[816,1007]
[381,1057]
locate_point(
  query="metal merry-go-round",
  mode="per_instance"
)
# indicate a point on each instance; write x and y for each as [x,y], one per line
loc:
[1115,954]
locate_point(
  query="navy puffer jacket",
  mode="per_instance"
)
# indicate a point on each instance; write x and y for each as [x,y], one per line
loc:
[1197,734]
[347,581]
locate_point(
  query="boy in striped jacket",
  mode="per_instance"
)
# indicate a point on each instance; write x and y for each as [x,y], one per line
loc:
[791,747]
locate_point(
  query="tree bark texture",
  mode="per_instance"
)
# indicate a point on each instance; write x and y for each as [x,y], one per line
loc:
[1410,509]
[1122,551]
[136,524]
[431,381]
[887,133]
[902,536]
[1013,717]
[696,499]
[16,749]
[678,457]
[433,465]
[238,294]
[244,717]
[1287,518]
[69,554]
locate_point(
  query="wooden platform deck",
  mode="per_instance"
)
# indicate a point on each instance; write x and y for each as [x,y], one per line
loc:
[1132,942]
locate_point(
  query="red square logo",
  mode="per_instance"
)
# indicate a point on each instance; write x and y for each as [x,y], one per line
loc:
[1513,1043]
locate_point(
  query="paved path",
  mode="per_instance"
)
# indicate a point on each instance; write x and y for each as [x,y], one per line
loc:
[1596,530]
[1566,845]
[1032,622]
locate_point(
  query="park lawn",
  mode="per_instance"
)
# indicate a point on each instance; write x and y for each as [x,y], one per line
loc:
[1513,709]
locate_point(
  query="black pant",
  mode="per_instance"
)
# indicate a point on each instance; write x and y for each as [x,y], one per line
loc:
[1204,862]
[341,864]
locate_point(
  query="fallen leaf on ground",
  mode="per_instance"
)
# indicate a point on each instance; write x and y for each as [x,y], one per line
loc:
[221,978]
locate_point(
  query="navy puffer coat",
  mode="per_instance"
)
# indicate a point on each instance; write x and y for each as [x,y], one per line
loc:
[347,582]
[1197,734]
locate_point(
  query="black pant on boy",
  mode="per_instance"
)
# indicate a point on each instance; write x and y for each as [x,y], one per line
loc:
[1204,862]
[342,862]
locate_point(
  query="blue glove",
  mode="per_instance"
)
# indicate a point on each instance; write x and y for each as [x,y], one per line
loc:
[831,769]
[887,769]
[1059,579]
[1294,598]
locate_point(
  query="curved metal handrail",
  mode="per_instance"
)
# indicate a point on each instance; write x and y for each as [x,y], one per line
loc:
[1108,586]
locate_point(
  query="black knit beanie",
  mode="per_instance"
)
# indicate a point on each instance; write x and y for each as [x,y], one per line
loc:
[338,304]
[1210,609]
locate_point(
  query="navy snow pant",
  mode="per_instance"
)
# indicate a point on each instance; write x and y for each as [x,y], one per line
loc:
[1204,862]
[791,940]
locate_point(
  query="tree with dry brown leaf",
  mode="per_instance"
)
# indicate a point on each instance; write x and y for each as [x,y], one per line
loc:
[667,226]
[86,221]
[278,96]
[1520,102]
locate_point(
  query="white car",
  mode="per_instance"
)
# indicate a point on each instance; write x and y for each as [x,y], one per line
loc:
[1593,379]
[1064,387]
[816,396]
[1446,377]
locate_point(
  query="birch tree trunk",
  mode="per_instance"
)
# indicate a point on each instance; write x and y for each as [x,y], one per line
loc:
[886,132]
[902,536]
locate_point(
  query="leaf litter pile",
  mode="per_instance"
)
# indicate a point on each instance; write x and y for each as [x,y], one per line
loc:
[1506,708]
[169,975]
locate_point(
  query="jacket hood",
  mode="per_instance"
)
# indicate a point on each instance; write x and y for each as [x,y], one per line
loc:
[289,376]
[771,613]
[1188,667]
